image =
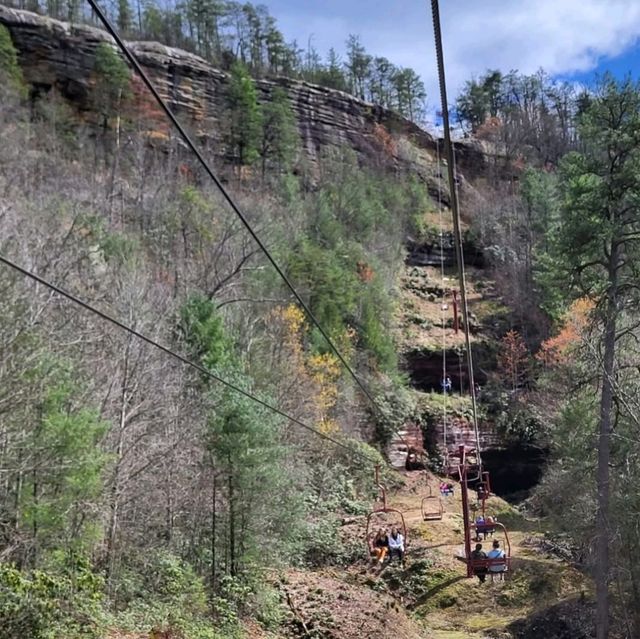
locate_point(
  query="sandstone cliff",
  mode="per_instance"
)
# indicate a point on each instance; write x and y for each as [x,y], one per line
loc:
[59,56]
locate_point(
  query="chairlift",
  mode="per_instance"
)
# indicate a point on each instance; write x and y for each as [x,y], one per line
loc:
[500,565]
[383,510]
[432,508]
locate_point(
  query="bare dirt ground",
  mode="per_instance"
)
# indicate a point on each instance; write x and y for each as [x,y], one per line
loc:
[431,597]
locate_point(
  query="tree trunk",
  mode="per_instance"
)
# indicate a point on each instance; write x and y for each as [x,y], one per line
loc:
[604,450]
[114,503]
[232,527]
[214,526]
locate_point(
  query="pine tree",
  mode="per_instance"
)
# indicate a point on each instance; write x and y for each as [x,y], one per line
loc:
[61,476]
[358,66]
[598,250]
[253,515]
[279,133]
[124,16]
[113,81]
[410,93]
[244,117]
[333,74]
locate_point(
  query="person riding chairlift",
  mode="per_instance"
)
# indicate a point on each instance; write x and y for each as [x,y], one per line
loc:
[446,489]
[380,546]
[396,545]
[478,555]
[447,385]
[496,567]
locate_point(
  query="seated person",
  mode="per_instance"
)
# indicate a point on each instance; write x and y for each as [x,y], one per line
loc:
[478,555]
[495,554]
[396,544]
[489,525]
[480,527]
[380,546]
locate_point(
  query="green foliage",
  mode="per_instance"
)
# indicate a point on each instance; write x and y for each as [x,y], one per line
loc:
[279,133]
[324,543]
[113,79]
[43,605]
[244,117]
[397,407]
[172,598]
[332,285]
[416,580]
[10,71]
[516,418]
[124,16]
[203,330]
[260,509]
[597,194]
[346,287]
[67,465]
[481,99]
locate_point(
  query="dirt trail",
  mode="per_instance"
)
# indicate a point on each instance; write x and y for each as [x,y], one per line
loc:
[431,597]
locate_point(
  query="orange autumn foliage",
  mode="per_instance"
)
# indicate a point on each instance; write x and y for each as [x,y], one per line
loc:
[385,139]
[557,350]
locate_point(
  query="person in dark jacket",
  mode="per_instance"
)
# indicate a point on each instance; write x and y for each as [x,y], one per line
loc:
[478,555]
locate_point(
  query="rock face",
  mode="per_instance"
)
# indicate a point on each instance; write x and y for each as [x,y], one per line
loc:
[59,55]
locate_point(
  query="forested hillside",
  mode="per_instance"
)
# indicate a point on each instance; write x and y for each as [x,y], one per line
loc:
[141,497]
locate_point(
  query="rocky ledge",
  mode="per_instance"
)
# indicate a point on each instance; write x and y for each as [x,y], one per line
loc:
[59,56]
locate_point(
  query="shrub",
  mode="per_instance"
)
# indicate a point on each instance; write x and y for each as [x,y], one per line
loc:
[42,604]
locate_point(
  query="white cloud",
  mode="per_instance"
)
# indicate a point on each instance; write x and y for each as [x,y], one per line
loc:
[560,36]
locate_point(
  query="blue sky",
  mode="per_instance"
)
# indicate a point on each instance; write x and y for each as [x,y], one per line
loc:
[571,39]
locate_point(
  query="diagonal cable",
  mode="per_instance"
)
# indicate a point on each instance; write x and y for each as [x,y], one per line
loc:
[229,199]
[184,360]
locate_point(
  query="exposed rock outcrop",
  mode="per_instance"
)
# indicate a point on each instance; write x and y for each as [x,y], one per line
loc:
[59,55]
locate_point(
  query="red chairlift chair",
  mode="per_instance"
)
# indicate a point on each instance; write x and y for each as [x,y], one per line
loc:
[432,509]
[500,565]
[383,509]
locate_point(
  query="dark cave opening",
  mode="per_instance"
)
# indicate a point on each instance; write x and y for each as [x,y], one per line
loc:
[425,369]
[516,470]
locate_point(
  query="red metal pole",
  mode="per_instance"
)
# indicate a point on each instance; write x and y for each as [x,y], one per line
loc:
[455,312]
[465,510]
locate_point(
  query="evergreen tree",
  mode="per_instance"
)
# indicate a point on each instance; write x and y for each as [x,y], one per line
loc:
[124,16]
[481,99]
[410,93]
[599,248]
[332,75]
[358,66]
[244,117]
[113,78]
[57,469]
[253,514]
[279,133]
[275,46]
[381,82]
[203,18]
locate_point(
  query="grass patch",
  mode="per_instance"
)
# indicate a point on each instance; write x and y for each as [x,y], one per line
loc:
[435,402]
[485,621]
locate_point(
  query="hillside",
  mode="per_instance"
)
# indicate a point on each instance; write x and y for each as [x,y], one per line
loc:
[213,478]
